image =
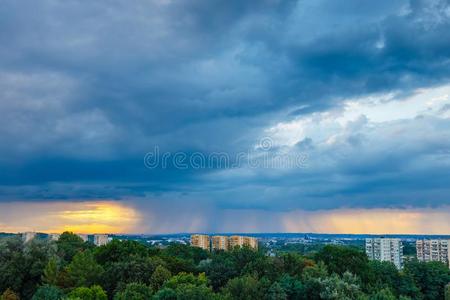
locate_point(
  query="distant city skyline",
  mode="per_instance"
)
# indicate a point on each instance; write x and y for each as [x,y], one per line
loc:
[225,116]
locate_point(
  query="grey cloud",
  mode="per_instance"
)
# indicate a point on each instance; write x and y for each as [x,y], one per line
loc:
[88,88]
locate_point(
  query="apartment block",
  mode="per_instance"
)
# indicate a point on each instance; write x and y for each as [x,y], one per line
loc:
[54,236]
[28,236]
[84,237]
[385,249]
[101,239]
[240,241]
[433,250]
[201,241]
[220,242]
[236,241]
[251,242]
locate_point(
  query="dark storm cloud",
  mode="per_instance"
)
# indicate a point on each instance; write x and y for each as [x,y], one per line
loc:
[88,88]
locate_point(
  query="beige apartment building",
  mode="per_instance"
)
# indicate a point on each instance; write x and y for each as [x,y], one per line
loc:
[251,242]
[220,242]
[433,250]
[201,241]
[240,241]
[236,241]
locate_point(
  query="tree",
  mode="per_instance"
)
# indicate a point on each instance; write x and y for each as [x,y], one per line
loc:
[48,292]
[340,259]
[186,286]
[9,295]
[135,291]
[69,244]
[165,294]
[51,272]
[430,277]
[292,286]
[294,264]
[178,265]
[84,270]
[276,292]
[243,256]
[159,276]
[190,291]
[384,275]
[405,286]
[335,287]
[186,278]
[245,287]
[135,269]
[195,254]
[317,271]
[22,265]
[116,251]
[12,268]
[221,269]
[384,294]
[312,278]
[95,292]
[37,254]
[263,266]
[447,292]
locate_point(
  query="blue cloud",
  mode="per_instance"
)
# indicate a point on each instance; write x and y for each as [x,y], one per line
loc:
[86,90]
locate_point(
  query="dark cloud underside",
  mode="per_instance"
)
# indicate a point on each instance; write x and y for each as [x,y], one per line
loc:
[87,88]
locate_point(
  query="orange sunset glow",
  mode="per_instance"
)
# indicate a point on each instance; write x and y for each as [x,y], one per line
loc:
[371,221]
[82,217]
[122,217]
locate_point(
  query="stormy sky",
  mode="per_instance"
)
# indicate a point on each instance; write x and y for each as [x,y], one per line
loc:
[358,92]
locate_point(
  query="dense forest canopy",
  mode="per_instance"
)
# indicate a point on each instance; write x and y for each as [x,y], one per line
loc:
[72,269]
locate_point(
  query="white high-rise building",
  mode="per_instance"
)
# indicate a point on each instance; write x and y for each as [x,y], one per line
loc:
[433,250]
[54,236]
[101,239]
[83,236]
[385,249]
[28,236]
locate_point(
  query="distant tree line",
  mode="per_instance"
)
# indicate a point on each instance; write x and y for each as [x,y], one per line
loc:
[72,269]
